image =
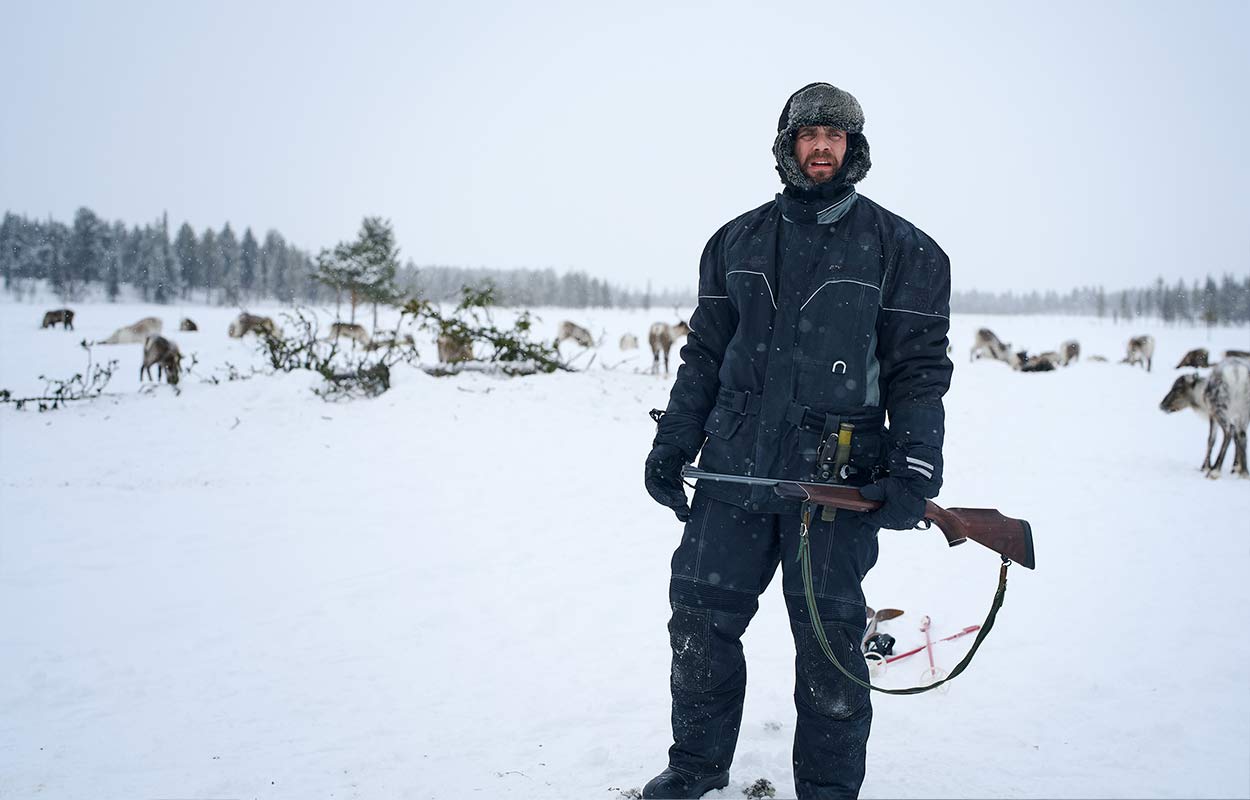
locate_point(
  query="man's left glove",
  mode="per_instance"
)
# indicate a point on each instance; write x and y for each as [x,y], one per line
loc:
[663,478]
[915,477]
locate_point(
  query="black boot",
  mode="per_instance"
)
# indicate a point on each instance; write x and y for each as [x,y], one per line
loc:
[679,785]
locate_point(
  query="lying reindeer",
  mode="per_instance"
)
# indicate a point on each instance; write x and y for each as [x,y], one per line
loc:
[629,342]
[1042,362]
[188,324]
[134,334]
[165,355]
[62,315]
[661,338]
[1195,358]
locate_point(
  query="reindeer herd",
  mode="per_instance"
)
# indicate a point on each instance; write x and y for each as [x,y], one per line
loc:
[1221,396]
[164,354]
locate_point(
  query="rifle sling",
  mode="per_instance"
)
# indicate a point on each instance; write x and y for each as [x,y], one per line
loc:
[819,628]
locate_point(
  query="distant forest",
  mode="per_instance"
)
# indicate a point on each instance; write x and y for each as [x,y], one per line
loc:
[220,266]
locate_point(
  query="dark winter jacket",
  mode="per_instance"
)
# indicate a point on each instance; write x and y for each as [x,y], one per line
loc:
[802,324]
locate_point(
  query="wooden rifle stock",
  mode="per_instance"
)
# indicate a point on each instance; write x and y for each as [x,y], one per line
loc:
[1011,538]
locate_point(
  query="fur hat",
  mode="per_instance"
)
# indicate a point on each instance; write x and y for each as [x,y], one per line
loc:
[821,104]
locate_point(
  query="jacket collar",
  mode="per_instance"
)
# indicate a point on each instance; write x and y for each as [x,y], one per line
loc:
[823,206]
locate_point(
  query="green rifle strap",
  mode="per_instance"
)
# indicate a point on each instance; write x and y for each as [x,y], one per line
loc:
[819,628]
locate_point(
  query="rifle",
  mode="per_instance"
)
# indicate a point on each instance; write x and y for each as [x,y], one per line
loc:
[1010,538]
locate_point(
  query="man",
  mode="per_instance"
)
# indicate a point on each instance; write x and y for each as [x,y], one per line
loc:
[816,309]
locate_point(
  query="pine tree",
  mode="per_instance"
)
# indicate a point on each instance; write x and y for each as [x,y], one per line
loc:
[211,266]
[85,256]
[231,256]
[249,256]
[187,251]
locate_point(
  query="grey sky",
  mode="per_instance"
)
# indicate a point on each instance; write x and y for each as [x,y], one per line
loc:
[1042,145]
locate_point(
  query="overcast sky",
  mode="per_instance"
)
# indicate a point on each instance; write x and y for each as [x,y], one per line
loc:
[1047,145]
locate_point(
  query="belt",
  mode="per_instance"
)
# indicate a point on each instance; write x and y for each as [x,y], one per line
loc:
[742,402]
[804,417]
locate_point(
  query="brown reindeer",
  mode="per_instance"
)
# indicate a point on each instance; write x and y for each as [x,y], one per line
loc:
[165,355]
[1042,362]
[62,315]
[351,330]
[451,351]
[577,333]
[661,338]
[1195,358]
[188,324]
[251,323]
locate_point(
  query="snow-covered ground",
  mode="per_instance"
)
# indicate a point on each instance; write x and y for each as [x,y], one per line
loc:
[460,588]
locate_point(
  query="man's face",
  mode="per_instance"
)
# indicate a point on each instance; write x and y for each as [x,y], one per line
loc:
[819,149]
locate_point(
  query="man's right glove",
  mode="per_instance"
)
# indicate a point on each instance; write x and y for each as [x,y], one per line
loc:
[915,476]
[663,478]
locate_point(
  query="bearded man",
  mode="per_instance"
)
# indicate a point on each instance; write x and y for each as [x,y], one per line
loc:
[817,309]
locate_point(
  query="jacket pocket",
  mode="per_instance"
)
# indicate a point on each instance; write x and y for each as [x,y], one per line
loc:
[722,423]
[829,386]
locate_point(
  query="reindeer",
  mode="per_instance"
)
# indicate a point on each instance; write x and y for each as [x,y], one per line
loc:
[451,351]
[661,338]
[1237,353]
[62,315]
[577,333]
[251,323]
[134,334]
[1042,362]
[1224,399]
[985,342]
[1141,350]
[165,355]
[188,324]
[351,330]
[1195,358]
[629,342]
[1071,351]
[390,340]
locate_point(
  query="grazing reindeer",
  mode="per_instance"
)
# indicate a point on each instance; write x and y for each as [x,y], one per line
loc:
[351,330]
[165,355]
[62,315]
[1195,358]
[251,323]
[452,352]
[1071,351]
[629,342]
[661,338]
[1141,350]
[985,342]
[1224,399]
[188,324]
[134,334]
[577,333]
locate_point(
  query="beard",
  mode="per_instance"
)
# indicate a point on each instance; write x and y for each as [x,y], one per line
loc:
[825,173]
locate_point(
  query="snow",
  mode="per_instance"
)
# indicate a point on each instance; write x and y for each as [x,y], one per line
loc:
[460,587]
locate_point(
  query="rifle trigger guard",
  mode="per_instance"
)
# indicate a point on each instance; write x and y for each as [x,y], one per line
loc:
[924,524]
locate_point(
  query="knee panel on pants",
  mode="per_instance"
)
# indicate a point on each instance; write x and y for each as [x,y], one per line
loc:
[705,632]
[819,685]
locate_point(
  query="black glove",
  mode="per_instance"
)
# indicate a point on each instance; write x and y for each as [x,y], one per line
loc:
[663,478]
[915,476]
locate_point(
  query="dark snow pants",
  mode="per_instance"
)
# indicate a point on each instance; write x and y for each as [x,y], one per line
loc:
[726,559]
